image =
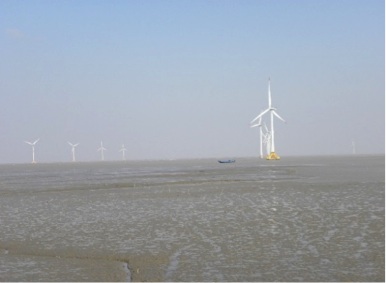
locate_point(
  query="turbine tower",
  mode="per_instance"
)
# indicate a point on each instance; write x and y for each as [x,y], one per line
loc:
[259,124]
[33,149]
[123,150]
[102,149]
[353,147]
[73,150]
[272,155]
[267,140]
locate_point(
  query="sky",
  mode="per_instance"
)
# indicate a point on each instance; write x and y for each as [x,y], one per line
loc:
[174,79]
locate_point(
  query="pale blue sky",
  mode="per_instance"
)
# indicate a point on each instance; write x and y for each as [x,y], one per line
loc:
[183,79]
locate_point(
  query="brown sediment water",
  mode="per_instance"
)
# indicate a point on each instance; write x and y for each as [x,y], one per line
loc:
[297,219]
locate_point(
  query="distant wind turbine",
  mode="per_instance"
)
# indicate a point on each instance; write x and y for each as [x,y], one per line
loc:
[259,124]
[102,149]
[73,150]
[267,140]
[33,149]
[123,150]
[272,155]
[353,148]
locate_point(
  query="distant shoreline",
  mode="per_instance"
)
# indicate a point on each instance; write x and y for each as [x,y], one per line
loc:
[285,157]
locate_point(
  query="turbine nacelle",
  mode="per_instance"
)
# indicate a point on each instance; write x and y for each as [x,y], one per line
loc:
[73,145]
[101,148]
[123,148]
[32,143]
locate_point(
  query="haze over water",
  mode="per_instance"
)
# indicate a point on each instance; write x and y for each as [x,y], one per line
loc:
[297,219]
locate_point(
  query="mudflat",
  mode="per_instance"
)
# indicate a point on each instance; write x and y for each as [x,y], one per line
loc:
[297,219]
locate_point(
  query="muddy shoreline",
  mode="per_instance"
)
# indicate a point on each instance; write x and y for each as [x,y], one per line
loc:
[195,221]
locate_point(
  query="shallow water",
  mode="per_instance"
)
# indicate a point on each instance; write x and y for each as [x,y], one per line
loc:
[297,219]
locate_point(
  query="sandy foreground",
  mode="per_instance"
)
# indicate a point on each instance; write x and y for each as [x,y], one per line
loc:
[244,222]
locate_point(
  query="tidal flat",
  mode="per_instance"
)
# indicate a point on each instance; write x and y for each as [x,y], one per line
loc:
[297,219]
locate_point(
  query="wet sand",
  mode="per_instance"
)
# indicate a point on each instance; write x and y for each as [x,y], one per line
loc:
[296,220]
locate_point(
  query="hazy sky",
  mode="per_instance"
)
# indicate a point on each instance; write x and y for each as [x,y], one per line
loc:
[183,79]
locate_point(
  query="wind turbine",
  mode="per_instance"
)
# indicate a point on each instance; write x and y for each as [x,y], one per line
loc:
[353,147]
[102,149]
[33,149]
[272,155]
[123,150]
[267,140]
[261,135]
[73,150]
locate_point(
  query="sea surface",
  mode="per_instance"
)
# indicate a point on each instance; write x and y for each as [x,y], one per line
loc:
[297,219]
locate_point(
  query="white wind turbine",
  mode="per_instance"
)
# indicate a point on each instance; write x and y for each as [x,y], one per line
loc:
[259,124]
[353,147]
[272,155]
[123,150]
[267,140]
[33,149]
[102,149]
[73,150]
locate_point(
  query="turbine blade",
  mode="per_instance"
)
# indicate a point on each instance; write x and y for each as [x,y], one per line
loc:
[277,115]
[70,144]
[35,141]
[256,125]
[266,128]
[30,143]
[269,93]
[260,115]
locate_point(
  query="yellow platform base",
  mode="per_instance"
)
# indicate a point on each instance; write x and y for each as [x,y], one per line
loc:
[273,156]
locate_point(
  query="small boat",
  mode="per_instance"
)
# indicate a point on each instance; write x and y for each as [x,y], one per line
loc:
[227,161]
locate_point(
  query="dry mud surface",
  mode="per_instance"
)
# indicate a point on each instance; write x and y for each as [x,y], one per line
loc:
[299,219]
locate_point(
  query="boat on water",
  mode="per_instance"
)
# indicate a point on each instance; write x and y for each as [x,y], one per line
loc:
[227,161]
